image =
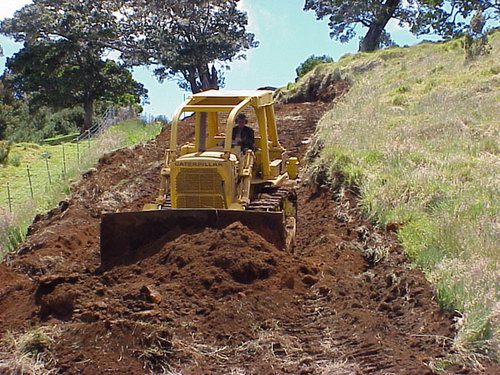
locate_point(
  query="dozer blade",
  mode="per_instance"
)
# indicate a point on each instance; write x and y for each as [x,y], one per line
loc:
[123,233]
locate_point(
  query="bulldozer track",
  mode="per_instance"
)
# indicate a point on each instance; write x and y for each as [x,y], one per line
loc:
[270,199]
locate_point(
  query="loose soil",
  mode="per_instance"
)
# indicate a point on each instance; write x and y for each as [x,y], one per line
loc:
[221,301]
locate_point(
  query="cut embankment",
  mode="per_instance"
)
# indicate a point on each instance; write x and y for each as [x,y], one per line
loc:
[217,301]
[417,135]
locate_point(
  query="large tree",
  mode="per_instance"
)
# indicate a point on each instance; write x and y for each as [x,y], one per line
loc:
[60,75]
[186,40]
[444,17]
[63,59]
[451,17]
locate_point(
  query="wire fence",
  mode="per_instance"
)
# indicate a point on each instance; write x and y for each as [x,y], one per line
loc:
[49,166]
[55,164]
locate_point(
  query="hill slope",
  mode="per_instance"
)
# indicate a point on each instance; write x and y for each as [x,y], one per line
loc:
[418,136]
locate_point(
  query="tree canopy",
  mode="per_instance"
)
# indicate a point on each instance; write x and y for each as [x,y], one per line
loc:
[63,60]
[444,17]
[61,75]
[186,40]
[66,41]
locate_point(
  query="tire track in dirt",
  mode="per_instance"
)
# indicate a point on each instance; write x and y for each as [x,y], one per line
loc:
[223,301]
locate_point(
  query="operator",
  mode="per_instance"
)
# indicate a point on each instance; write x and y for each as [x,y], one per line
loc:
[243,135]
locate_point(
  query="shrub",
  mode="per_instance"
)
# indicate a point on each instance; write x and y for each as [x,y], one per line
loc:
[15,159]
[476,40]
[310,63]
[4,152]
[44,123]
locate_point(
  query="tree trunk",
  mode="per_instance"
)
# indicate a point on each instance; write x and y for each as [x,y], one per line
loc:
[202,79]
[209,78]
[372,38]
[88,108]
[191,76]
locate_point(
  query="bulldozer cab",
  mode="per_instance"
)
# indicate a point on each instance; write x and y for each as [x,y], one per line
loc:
[215,114]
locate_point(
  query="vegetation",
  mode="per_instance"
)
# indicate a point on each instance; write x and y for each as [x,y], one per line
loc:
[476,39]
[186,40]
[29,352]
[418,135]
[62,63]
[310,63]
[423,16]
[59,75]
[21,125]
[52,168]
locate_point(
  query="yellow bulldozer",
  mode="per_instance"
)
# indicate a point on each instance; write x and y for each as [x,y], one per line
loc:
[213,181]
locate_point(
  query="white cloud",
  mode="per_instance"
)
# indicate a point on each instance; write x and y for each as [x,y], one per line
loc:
[8,7]
[253,14]
[246,6]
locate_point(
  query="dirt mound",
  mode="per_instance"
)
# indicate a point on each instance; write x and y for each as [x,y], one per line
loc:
[213,256]
[219,300]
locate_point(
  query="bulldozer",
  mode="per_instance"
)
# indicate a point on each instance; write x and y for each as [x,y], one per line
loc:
[212,182]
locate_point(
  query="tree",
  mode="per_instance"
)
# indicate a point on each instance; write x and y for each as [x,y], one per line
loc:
[475,41]
[187,40]
[61,75]
[62,61]
[7,106]
[345,15]
[422,16]
[450,17]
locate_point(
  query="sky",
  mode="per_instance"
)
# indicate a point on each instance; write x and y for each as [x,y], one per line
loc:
[287,36]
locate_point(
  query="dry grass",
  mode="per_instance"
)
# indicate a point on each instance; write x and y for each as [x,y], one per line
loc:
[418,135]
[280,350]
[29,353]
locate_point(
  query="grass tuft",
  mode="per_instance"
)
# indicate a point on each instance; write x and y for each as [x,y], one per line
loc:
[30,352]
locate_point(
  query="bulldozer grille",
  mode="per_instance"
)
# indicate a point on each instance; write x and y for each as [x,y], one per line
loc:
[199,188]
[196,201]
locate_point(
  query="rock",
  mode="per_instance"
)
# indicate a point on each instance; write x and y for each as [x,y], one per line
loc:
[151,294]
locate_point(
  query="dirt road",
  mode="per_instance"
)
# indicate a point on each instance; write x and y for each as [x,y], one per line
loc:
[221,302]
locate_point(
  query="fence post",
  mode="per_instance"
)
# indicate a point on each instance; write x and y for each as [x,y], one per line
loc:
[45,155]
[30,182]
[78,151]
[64,161]
[9,197]
[88,143]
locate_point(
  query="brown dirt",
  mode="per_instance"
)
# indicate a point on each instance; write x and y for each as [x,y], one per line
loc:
[222,301]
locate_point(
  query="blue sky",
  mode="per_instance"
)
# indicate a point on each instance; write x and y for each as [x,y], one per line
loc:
[287,36]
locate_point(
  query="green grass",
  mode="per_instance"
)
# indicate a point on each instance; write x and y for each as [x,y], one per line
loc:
[135,132]
[51,169]
[418,134]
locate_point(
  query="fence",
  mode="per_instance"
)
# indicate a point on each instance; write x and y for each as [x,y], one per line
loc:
[111,117]
[49,166]
[35,179]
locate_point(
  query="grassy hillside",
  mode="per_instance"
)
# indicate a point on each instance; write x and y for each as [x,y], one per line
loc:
[418,134]
[51,168]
